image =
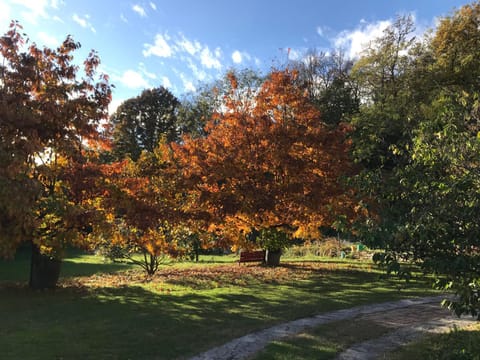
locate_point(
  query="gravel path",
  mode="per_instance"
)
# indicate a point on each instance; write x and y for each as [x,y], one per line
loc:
[406,326]
[408,319]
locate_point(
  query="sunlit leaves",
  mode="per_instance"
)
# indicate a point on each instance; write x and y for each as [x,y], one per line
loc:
[268,160]
[48,112]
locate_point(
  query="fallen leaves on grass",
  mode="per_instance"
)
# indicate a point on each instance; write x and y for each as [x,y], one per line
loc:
[209,277]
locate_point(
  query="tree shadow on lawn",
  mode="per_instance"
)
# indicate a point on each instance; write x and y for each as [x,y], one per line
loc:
[136,322]
[125,322]
[19,270]
[71,268]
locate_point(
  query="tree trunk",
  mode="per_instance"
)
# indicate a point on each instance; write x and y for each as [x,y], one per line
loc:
[273,257]
[44,270]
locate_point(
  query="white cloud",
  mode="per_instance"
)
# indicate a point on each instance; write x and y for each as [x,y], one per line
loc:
[114,104]
[30,10]
[56,3]
[83,22]
[123,18]
[139,10]
[58,19]
[191,47]
[166,83]
[145,72]
[33,9]
[187,84]
[354,41]
[294,54]
[189,87]
[199,74]
[48,40]
[4,13]
[80,21]
[320,31]
[237,57]
[210,60]
[161,48]
[153,6]
[133,80]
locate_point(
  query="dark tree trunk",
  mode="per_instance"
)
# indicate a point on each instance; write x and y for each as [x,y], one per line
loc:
[273,257]
[44,270]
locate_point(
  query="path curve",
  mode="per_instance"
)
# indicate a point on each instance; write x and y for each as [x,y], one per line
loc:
[406,325]
[246,346]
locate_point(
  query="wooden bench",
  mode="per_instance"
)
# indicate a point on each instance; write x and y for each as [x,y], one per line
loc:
[251,256]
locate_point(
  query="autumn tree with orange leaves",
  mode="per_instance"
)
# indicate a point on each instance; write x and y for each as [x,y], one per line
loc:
[269,162]
[145,205]
[50,119]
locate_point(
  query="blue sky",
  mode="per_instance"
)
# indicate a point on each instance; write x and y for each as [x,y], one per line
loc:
[181,43]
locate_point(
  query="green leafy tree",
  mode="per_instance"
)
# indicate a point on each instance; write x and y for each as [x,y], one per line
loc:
[382,75]
[197,108]
[327,80]
[140,122]
[425,180]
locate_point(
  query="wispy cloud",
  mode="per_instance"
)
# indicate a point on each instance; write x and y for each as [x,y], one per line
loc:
[123,18]
[83,21]
[31,10]
[320,31]
[201,62]
[209,59]
[160,48]
[139,10]
[58,19]
[4,13]
[145,72]
[354,41]
[198,73]
[191,47]
[238,56]
[56,3]
[153,6]
[48,40]
[133,80]
[165,46]
[166,82]
[187,83]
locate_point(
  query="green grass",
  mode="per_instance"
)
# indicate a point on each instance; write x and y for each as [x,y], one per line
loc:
[456,345]
[323,342]
[112,312]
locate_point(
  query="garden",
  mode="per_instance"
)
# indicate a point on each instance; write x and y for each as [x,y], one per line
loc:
[113,311]
[356,181]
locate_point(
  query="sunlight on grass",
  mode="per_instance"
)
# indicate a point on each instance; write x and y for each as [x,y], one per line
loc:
[461,344]
[184,309]
[322,342]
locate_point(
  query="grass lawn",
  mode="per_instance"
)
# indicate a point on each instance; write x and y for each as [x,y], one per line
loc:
[110,311]
[324,341]
[461,344]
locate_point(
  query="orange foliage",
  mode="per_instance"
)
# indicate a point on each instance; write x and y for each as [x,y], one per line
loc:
[271,162]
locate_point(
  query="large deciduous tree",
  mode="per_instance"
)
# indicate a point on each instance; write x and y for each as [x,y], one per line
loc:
[140,122]
[327,80]
[268,161]
[418,136]
[48,115]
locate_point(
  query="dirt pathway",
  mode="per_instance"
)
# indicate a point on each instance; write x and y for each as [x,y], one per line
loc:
[407,325]
[408,319]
